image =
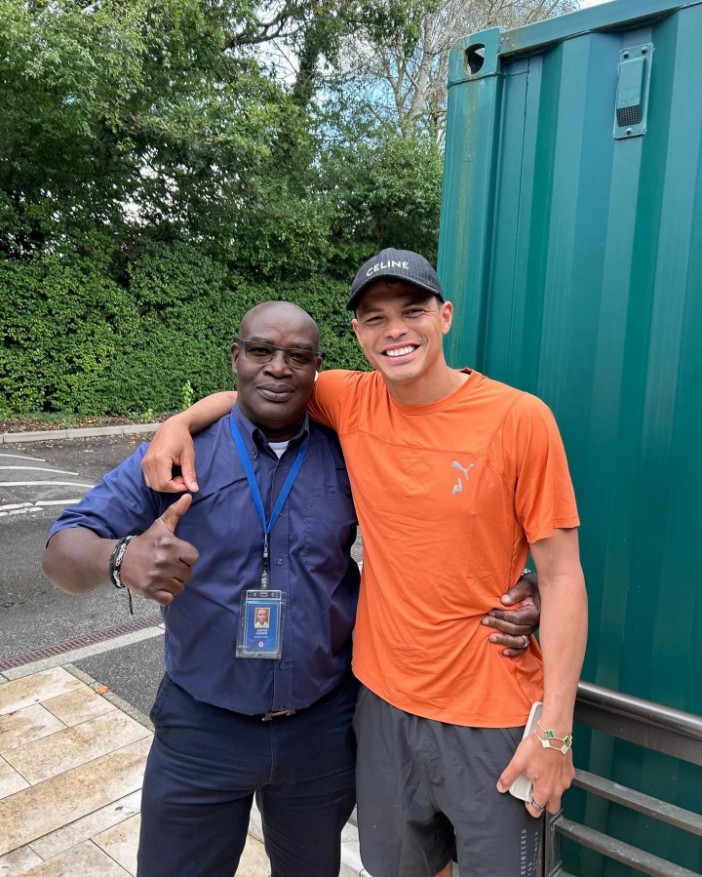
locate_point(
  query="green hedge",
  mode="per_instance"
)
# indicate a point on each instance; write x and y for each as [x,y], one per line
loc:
[80,337]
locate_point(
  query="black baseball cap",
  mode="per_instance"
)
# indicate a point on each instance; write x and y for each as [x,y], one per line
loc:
[400,265]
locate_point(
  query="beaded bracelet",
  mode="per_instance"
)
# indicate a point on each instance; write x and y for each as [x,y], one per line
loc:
[550,738]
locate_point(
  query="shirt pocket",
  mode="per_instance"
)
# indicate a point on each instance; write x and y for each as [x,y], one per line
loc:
[330,531]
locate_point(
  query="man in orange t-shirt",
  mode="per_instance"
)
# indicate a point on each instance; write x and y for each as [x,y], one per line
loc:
[456,479]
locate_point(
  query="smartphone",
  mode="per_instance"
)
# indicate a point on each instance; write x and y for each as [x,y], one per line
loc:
[522,787]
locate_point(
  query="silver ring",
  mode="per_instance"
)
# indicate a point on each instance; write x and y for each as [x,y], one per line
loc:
[537,806]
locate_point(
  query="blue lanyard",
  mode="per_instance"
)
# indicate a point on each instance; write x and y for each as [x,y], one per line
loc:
[256,493]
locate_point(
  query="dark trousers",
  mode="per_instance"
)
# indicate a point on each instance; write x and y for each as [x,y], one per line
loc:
[205,766]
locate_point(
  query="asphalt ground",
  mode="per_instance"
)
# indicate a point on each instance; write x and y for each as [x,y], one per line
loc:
[37,480]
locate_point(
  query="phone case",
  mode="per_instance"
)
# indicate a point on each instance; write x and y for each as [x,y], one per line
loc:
[522,787]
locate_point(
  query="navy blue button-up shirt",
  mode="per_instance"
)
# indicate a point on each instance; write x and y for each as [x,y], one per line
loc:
[310,561]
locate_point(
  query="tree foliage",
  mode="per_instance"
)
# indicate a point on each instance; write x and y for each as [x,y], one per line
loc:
[165,164]
[400,57]
[131,115]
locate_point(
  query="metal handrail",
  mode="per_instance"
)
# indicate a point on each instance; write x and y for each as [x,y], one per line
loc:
[647,724]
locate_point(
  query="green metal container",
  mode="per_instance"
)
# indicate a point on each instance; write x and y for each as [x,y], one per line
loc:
[571,244]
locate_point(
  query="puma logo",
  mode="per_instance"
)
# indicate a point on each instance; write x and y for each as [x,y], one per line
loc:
[458,487]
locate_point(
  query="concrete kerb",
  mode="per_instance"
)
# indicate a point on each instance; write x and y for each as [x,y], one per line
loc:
[86,432]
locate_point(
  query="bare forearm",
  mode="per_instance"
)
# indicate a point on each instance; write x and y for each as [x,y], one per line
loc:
[206,411]
[563,635]
[77,560]
[157,564]
[563,630]
[172,446]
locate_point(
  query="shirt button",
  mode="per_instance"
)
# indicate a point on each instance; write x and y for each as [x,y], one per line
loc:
[280,561]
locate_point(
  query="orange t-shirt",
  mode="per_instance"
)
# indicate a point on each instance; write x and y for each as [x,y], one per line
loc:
[449,495]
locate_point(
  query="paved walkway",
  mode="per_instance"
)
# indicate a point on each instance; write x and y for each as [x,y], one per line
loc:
[72,758]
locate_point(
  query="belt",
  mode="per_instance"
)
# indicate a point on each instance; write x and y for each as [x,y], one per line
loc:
[283,714]
[277,714]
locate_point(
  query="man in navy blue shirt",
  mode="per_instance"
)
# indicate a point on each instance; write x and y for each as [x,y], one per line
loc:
[229,727]
[243,709]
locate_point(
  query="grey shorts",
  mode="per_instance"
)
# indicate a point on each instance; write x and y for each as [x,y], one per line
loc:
[423,786]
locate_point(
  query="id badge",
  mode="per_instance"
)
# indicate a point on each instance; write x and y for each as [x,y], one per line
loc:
[261,625]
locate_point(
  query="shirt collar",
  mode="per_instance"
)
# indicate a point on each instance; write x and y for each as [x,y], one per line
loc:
[254,437]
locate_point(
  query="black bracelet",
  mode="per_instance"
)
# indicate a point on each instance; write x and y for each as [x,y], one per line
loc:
[116,559]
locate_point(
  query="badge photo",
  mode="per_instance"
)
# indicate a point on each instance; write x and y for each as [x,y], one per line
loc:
[261,625]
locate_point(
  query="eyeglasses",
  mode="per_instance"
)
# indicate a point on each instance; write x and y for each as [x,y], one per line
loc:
[259,351]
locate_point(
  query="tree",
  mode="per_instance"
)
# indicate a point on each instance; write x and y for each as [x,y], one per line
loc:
[123,115]
[160,172]
[400,57]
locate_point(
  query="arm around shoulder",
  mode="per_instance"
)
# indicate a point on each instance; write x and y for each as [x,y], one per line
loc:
[172,445]
[206,410]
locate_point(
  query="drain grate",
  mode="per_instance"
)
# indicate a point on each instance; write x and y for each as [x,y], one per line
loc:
[79,643]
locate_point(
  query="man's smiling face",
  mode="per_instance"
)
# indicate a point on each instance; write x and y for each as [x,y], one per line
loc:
[400,328]
[274,394]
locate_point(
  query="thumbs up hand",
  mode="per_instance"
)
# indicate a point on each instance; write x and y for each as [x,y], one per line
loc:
[157,565]
[171,517]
